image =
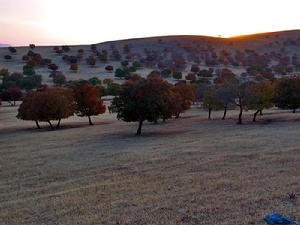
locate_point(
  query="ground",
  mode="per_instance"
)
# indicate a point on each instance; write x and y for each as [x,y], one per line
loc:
[187,171]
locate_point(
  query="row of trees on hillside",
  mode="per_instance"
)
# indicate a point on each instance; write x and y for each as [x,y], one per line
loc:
[153,98]
[283,93]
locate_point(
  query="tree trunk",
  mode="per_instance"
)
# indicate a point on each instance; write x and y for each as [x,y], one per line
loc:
[241,111]
[37,124]
[139,130]
[14,103]
[177,116]
[90,121]
[225,112]
[58,124]
[260,112]
[294,110]
[254,116]
[209,113]
[50,124]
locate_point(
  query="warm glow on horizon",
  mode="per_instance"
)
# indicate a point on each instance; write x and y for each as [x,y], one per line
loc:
[50,22]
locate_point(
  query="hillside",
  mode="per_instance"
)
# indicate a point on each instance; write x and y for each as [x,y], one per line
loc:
[277,53]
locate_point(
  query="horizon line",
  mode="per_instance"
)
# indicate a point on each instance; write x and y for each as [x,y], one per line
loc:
[153,37]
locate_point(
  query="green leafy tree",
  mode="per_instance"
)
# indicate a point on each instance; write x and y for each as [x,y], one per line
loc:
[261,97]
[210,100]
[140,100]
[287,93]
[177,75]
[28,70]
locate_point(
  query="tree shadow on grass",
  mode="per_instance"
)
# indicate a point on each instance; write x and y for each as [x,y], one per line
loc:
[46,128]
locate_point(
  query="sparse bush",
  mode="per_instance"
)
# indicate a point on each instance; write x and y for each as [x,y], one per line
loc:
[66,48]
[59,79]
[191,77]
[28,70]
[53,67]
[177,75]
[25,58]
[7,57]
[91,61]
[12,49]
[109,68]
[95,81]
[74,67]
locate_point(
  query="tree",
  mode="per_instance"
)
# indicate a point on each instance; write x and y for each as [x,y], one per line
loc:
[191,77]
[31,82]
[225,94]
[74,67]
[88,100]
[261,97]
[187,95]
[113,89]
[177,75]
[109,68]
[4,72]
[11,95]
[287,93]
[95,81]
[91,61]
[136,64]
[210,100]
[7,57]
[243,91]
[59,79]
[28,70]
[121,73]
[195,69]
[46,105]
[12,49]
[53,67]
[166,73]
[28,109]
[140,100]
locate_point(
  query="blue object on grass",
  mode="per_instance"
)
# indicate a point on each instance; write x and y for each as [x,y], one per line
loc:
[276,219]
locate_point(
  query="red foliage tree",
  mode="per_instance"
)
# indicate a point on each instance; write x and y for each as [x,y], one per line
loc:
[91,61]
[187,97]
[88,100]
[74,67]
[46,105]
[191,77]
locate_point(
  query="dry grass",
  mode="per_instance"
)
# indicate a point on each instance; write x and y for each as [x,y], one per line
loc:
[189,171]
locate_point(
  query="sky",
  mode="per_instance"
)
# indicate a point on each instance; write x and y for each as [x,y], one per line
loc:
[54,22]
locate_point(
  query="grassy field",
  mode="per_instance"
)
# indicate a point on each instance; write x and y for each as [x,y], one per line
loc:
[187,171]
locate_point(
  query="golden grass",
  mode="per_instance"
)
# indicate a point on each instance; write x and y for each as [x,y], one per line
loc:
[188,171]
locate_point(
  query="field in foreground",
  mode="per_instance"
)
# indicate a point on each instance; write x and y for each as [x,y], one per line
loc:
[188,171]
